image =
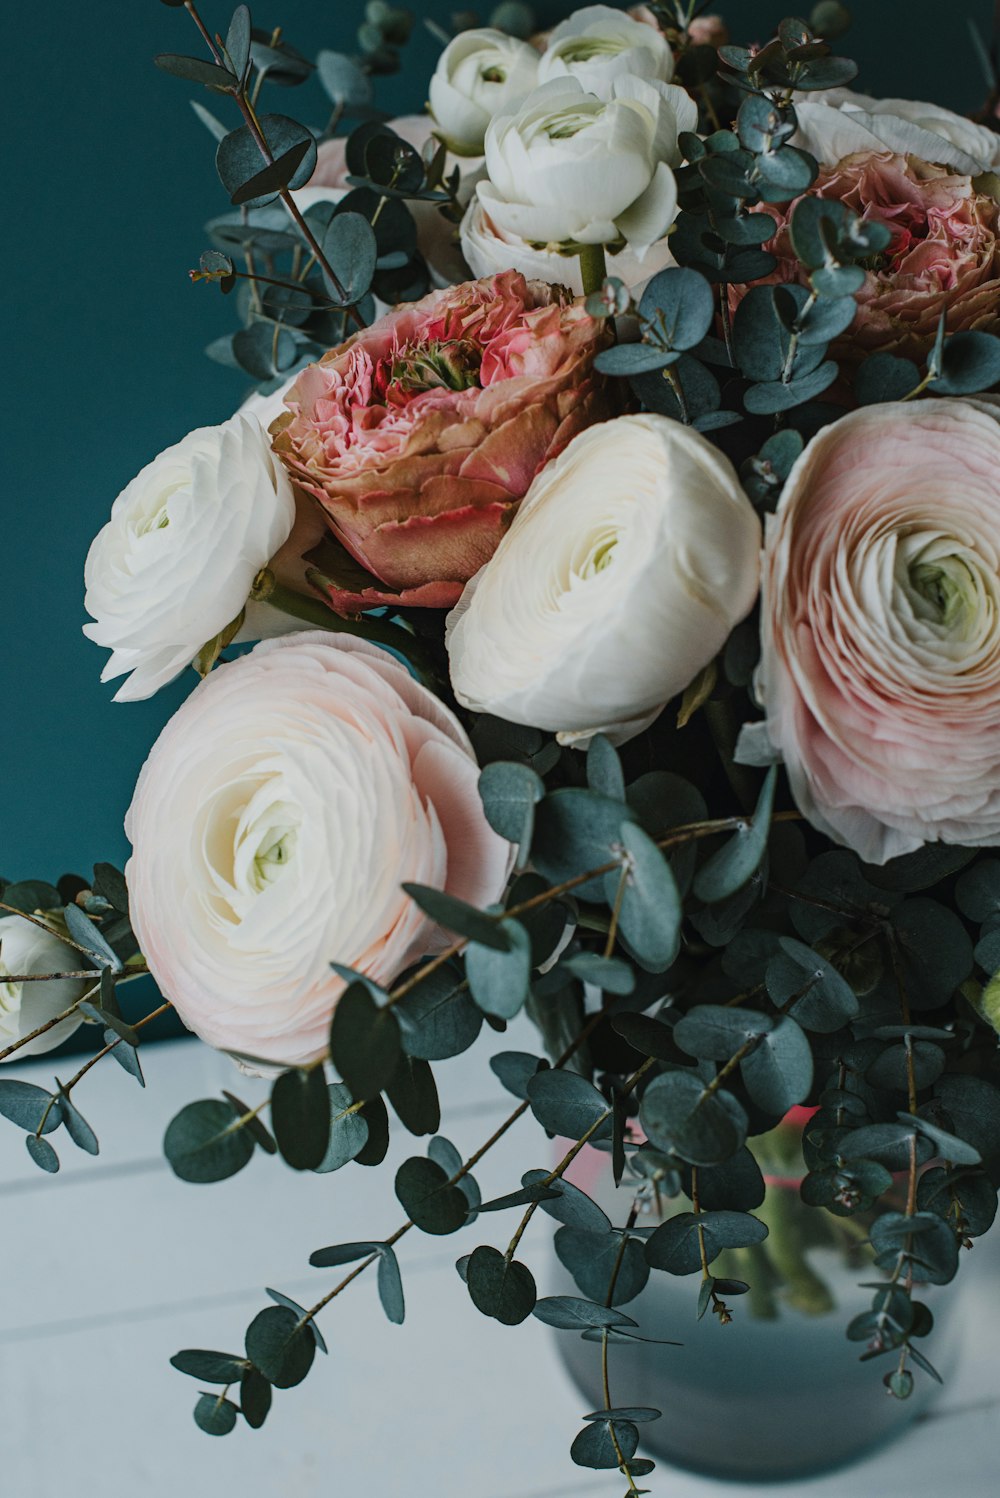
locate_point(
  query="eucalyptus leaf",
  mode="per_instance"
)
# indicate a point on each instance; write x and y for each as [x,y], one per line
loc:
[300,1117]
[423,1189]
[732,865]
[501,1288]
[348,1131]
[281,1346]
[365,1044]
[204,1142]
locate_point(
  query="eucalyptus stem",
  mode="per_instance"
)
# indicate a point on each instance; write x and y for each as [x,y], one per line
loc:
[35,920]
[246,109]
[593,267]
[118,1040]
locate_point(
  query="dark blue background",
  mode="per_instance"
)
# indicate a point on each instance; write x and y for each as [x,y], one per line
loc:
[108,178]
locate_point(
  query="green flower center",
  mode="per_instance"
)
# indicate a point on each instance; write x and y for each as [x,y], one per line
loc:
[451,365]
[586,48]
[947,590]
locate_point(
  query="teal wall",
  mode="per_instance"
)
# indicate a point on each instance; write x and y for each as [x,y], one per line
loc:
[108,178]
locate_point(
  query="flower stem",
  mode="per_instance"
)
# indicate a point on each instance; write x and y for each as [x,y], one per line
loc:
[318,615]
[593,267]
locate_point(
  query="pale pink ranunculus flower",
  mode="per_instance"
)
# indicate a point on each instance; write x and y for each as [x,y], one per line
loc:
[880,665]
[944,255]
[272,826]
[420,435]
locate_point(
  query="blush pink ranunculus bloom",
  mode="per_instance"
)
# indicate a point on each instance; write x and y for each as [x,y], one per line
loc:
[420,435]
[880,664]
[272,826]
[944,255]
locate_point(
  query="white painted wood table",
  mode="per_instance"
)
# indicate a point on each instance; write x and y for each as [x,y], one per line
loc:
[113,1265]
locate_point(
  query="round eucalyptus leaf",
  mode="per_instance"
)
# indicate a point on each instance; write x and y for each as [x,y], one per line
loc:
[935,950]
[343,80]
[238,159]
[597,1448]
[650,912]
[680,305]
[680,1116]
[516,1069]
[500,1287]
[676,1245]
[783,395]
[606,1267]
[351,250]
[204,1142]
[255,1398]
[778,1072]
[42,1153]
[884,377]
[214,1415]
[973,1108]
[737,1185]
[713,1032]
[576,831]
[348,1131]
[510,792]
[209,1367]
[434,1206]
[500,981]
[567,1104]
[570,1205]
[572,1313]
[635,358]
[413,1094]
[365,1045]
[977,893]
[300,1117]
[281,1346]
[438,1018]
[27,1105]
[738,859]
[826,1001]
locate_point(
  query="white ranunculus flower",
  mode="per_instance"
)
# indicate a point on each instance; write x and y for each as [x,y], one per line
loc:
[488,251]
[174,565]
[25,948]
[598,44]
[837,123]
[481,73]
[571,168]
[628,564]
[273,824]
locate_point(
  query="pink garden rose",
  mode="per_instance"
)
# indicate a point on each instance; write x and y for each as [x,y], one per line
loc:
[880,665]
[273,823]
[944,254]
[420,435]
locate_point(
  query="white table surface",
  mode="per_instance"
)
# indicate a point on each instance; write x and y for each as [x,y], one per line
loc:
[113,1265]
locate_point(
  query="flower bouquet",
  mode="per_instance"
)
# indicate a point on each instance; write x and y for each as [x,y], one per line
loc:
[616,507]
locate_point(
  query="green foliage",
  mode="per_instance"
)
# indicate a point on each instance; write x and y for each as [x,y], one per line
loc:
[300,1117]
[205,1142]
[348,1130]
[365,1043]
[281,1346]
[429,1199]
[500,1287]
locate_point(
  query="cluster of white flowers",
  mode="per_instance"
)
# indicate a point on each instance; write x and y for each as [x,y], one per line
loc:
[578,144]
